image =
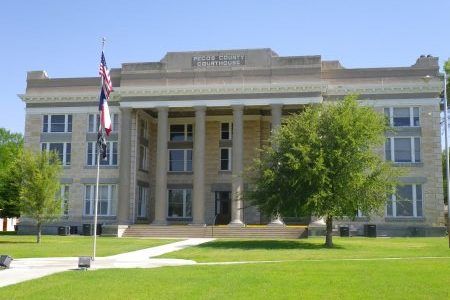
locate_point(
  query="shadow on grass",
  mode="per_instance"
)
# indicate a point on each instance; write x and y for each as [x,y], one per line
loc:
[264,244]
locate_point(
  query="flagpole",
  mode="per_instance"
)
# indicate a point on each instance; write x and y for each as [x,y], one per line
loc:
[98,148]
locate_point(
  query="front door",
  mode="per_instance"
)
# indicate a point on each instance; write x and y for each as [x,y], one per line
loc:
[223,207]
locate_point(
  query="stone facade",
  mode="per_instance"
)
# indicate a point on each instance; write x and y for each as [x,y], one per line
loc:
[251,89]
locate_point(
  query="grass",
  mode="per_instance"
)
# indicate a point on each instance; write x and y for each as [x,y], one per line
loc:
[21,246]
[309,272]
[415,279]
[312,248]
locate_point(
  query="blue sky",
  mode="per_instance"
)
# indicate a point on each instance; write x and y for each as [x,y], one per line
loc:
[63,37]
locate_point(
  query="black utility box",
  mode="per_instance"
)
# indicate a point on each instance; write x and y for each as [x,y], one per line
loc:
[63,230]
[88,229]
[370,230]
[344,231]
[73,229]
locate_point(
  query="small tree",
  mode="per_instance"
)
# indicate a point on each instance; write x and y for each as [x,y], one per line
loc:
[39,188]
[323,161]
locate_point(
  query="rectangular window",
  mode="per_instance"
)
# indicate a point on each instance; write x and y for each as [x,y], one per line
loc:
[64,199]
[64,151]
[403,149]
[406,202]
[142,202]
[225,159]
[143,128]
[226,131]
[180,203]
[94,122]
[143,158]
[180,160]
[111,155]
[181,132]
[106,200]
[57,123]
[403,116]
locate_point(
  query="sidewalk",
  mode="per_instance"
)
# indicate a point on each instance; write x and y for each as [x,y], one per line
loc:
[23,269]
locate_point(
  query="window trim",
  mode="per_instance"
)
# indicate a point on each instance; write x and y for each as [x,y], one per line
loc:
[411,115]
[413,149]
[111,197]
[229,158]
[64,161]
[185,137]
[97,117]
[143,159]
[185,160]
[230,131]
[184,216]
[110,149]
[64,200]
[143,193]
[49,123]
[393,200]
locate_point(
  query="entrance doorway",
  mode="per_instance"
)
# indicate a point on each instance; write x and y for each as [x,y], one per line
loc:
[223,207]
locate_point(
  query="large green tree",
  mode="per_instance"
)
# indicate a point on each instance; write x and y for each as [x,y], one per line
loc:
[323,162]
[39,187]
[11,145]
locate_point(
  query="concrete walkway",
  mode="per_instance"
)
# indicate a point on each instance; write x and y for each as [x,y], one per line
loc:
[23,269]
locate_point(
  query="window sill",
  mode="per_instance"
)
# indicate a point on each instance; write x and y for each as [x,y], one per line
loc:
[180,172]
[142,170]
[225,171]
[188,219]
[89,217]
[404,219]
[408,164]
[101,167]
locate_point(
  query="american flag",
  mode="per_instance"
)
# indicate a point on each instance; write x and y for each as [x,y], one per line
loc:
[105,118]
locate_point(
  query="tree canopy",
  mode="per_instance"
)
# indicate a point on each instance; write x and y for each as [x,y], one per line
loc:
[324,161]
[11,145]
[39,188]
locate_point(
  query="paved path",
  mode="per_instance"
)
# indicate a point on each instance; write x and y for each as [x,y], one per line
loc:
[23,269]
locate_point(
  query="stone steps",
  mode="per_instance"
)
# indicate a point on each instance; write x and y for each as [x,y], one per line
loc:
[190,231]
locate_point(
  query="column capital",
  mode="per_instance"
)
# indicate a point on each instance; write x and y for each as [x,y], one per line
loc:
[237,107]
[276,105]
[200,108]
[162,109]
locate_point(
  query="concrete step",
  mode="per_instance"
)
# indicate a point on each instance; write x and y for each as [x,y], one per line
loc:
[186,231]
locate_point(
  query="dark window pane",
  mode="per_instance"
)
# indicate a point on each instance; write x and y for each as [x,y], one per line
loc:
[387,149]
[114,158]
[68,153]
[45,124]
[404,208]
[389,208]
[69,123]
[58,148]
[401,116]
[417,149]
[419,208]
[57,123]
[402,148]
[404,193]
[416,116]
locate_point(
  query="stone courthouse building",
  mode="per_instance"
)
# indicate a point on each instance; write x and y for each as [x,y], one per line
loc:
[185,127]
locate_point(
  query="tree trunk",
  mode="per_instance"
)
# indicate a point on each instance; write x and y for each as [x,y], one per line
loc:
[38,234]
[329,236]
[5,224]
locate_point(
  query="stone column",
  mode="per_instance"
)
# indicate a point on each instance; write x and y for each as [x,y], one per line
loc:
[124,166]
[276,123]
[161,168]
[276,115]
[237,184]
[198,205]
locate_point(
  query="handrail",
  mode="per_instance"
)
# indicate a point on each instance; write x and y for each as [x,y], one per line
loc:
[213,224]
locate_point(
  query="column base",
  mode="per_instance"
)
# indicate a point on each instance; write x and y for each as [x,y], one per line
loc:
[236,223]
[199,224]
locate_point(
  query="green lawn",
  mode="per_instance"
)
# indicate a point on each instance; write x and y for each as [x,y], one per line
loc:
[309,272]
[312,248]
[412,279]
[20,246]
